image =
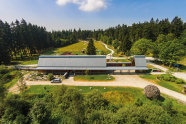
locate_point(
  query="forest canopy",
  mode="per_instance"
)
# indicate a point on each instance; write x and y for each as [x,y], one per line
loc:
[20,39]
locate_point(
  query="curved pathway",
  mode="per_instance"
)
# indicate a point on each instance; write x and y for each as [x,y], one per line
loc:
[112,51]
[120,81]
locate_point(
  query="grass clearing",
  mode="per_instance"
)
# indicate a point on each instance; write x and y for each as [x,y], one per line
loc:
[94,78]
[77,48]
[101,47]
[119,98]
[74,48]
[167,84]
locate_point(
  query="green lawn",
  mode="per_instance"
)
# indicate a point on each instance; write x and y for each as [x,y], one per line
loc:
[121,60]
[101,47]
[94,78]
[39,89]
[167,84]
[74,48]
[125,95]
[77,48]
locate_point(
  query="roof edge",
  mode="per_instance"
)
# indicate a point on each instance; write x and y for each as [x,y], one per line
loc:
[72,56]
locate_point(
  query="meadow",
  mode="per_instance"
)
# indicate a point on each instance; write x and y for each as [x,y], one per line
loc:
[77,48]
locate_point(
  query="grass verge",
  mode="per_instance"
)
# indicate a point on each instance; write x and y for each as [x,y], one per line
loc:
[94,78]
[167,84]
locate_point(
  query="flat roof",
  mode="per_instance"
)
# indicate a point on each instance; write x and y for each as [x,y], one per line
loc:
[72,56]
[93,68]
[118,62]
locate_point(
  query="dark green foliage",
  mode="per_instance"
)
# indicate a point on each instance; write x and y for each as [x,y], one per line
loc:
[142,47]
[95,100]
[169,49]
[2,91]
[70,103]
[166,77]
[91,50]
[116,44]
[15,110]
[21,40]
[177,26]
[39,113]
[50,76]
[171,78]
[139,102]
[143,114]
[171,52]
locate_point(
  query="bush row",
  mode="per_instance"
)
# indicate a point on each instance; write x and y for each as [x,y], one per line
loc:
[168,77]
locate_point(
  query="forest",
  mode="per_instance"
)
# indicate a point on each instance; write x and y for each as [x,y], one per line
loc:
[162,39]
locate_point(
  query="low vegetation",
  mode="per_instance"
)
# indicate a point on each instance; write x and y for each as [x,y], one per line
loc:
[166,82]
[59,104]
[94,78]
[9,76]
[80,48]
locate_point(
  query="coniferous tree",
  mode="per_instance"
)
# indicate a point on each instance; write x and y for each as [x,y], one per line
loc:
[91,50]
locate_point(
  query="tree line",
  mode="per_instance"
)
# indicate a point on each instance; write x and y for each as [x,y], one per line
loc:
[21,39]
[123,37]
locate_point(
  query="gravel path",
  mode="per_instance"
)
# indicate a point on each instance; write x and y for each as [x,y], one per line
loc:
[112,51]
[121,81]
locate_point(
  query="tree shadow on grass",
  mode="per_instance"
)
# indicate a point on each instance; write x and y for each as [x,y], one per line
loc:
[161,98]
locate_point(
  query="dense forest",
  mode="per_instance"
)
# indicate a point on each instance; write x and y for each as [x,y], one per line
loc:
[20,39]
[156,37]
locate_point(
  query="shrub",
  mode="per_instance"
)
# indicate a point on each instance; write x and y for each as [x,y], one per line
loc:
[152,92]
[167,77]
[50,76]
[95,100]
[179,81]
[6,78]
[145,114]
[39,113]
[138,102]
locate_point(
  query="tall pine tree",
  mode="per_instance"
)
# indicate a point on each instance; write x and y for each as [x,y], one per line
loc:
[91,50]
